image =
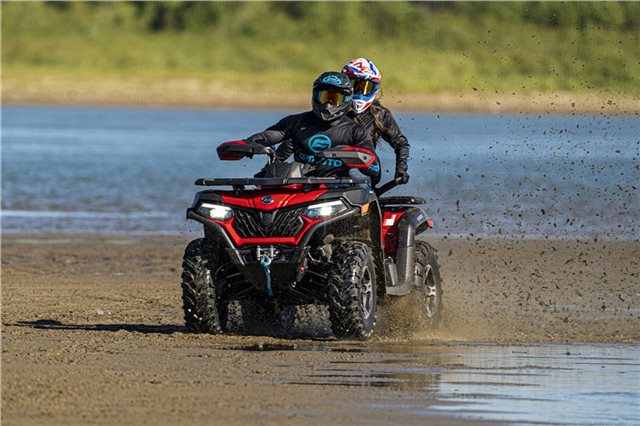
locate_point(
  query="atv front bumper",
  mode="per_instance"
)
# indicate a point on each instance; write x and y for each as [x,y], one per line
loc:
[287,266]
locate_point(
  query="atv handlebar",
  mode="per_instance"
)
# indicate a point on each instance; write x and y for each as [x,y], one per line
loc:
[388,186]
[353,157]
[237,150]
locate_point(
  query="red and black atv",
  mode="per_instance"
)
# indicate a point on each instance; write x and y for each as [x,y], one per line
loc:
[285,240]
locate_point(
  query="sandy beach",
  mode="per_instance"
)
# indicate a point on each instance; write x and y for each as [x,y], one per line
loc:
[194,93]
[93,331]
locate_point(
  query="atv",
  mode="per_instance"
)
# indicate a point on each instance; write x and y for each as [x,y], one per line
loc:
[286,239]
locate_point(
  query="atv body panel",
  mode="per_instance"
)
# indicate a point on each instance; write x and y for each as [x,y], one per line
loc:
[272,221]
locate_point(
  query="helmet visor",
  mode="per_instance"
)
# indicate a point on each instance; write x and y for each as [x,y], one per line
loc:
[334,98]
[363,87]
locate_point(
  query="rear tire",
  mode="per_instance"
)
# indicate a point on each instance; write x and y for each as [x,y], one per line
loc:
[352,292]
[429,292]
[201,313]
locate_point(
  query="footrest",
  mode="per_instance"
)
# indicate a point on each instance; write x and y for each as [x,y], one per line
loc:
[396,200]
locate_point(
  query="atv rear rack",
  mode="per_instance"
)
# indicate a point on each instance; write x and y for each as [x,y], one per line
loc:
[241,182]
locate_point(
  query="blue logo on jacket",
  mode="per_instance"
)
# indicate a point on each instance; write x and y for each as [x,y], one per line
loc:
[319,143]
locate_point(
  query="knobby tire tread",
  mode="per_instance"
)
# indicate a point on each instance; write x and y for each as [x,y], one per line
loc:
[198,292]
[348,262]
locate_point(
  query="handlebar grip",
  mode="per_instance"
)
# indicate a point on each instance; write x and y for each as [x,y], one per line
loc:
[388,186]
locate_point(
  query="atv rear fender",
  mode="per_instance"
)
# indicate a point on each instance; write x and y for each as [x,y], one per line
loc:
[400,275]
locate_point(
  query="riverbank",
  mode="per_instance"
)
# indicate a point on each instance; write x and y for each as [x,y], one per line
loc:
[195,93]
[489,57]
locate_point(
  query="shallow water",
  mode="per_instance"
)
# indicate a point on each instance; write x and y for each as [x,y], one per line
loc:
[532,384]
[128,170]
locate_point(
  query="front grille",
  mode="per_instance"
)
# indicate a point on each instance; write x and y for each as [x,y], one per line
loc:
[277,223]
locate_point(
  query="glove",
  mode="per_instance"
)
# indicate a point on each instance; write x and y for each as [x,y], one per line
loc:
[401,172]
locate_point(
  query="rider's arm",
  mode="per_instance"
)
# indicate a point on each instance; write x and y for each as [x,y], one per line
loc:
[362,139]
[284,151]
[272,135]
[393,135]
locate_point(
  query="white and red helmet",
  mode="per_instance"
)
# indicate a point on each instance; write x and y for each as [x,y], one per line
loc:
[365,78]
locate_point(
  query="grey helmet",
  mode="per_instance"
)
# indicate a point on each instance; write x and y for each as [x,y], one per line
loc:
[332,92]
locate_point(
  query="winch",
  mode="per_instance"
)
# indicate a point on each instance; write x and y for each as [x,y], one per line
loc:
[265,256]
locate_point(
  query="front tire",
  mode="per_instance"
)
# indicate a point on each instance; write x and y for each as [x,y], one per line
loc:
[201,314]
[352,292]
[429,291]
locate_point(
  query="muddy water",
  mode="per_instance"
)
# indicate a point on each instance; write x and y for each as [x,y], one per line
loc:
[125,170]
[545,383]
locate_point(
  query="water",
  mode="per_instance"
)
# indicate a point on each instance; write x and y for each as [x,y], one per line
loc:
[593,384]
[123,170]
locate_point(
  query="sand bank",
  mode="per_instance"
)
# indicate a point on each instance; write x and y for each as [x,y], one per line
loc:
[193,93]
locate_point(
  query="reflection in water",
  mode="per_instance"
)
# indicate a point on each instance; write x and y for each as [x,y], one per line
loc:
[577,384]
[266,347]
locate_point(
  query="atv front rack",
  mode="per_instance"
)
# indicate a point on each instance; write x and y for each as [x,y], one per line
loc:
[241,182]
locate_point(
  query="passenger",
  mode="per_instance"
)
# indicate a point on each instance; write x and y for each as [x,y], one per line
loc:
[325,126]
[369,112]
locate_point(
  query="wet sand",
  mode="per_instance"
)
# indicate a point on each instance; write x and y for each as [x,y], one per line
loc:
[93,334]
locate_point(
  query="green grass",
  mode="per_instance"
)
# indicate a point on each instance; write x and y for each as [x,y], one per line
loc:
[420,48]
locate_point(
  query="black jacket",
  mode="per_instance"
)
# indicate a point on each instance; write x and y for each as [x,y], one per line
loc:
[381,124]
[305,135]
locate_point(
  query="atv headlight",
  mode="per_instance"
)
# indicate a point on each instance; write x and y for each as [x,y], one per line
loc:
[214,211]
[318,211]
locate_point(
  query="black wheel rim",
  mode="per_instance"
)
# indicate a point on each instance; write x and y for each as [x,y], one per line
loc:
[367,294]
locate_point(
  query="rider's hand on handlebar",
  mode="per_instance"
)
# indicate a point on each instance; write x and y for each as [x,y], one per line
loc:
[402,176]
[260,148]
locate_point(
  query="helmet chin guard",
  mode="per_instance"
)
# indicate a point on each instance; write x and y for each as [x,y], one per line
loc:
[360,105]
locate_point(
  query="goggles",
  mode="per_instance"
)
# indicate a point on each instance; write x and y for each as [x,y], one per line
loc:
[364,87]
[336,99]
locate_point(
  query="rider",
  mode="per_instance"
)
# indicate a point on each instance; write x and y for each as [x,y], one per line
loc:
[325,126]
[367,111]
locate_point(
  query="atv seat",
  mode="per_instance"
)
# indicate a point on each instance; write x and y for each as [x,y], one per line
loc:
[399,200]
